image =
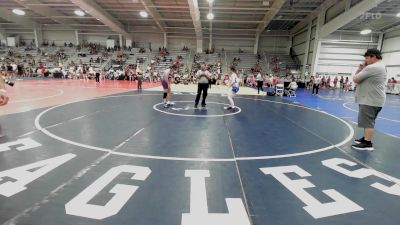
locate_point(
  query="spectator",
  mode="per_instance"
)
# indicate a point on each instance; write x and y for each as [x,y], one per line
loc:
[316,84]
[335,80]
[370,95]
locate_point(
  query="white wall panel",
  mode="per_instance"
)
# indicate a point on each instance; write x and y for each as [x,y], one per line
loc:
[352,36]
[391,45]
[178,43]
[274,44]
[394,72]
[391,59]
[339,62]
[234,45]
[101,39]
[266,43]
[27,38]
[344,50]
[142,40]
[59,37]
[336,69]
[341,57]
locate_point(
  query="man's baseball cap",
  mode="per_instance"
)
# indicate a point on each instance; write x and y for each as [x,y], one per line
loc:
[373,52]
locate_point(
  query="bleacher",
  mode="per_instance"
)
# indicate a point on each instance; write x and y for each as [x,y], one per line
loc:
[247,61]
[86,60]
[134,55]
[170,59]
[209,59]
[283,61]
[46,57]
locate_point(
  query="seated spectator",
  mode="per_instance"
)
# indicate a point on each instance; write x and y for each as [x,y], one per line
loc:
[292,85]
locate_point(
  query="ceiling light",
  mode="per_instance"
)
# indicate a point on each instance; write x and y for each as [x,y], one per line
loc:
[398,14]
[210,16]
[143,14]
[366,31]
[79,12]
[19,12]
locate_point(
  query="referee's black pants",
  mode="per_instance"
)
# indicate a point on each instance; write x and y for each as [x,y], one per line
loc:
[201,88]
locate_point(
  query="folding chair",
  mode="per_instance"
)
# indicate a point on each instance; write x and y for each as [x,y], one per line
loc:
[279,90]
[292,91]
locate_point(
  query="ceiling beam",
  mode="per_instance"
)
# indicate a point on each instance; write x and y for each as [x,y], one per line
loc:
[20,20]
[195,14]
[396,27]
[214,8]
[348,16]
[62,17]
[98,12]
[49,4]
[215,29]
[45,11]
[295,11]
[269,15]
[214,21]
[231,29]
[184,11]
[148,5]
[314,14]
[387,27]
[75,25]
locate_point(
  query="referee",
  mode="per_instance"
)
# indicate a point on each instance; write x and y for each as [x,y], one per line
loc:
[370,95]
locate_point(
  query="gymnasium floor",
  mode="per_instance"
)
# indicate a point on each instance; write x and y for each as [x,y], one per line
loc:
[76,152]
